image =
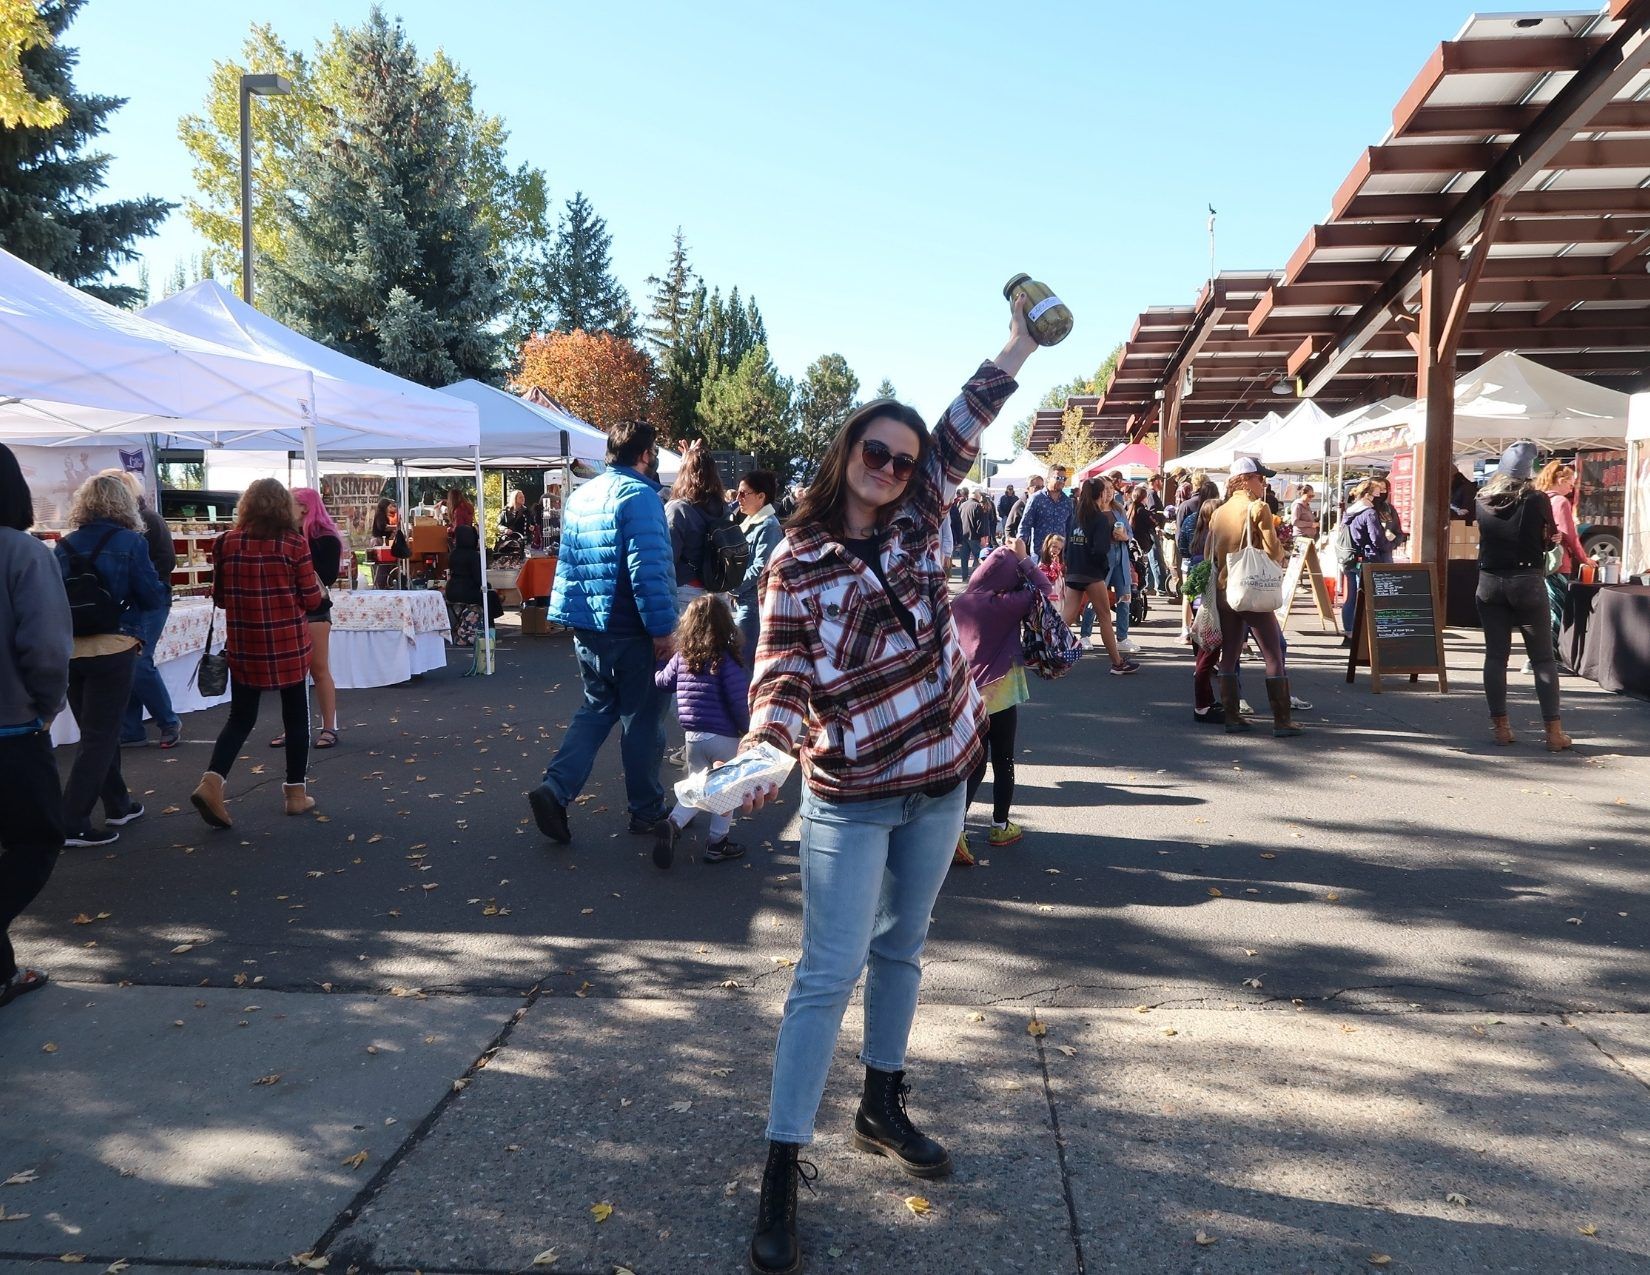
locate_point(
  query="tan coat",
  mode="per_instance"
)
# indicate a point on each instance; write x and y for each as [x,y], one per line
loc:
[1229,530]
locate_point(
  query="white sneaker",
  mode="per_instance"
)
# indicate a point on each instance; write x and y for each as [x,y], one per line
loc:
[1128,648]
[1185,636]
[1243,707]
[1097,644]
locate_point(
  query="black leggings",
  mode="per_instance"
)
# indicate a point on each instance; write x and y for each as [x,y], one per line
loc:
[243,716]
[1000,740]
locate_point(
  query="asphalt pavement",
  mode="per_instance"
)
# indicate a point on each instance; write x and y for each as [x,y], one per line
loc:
[1234,1004]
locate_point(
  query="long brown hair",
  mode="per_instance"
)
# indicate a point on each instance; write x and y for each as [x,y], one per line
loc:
[1091,500]
[267,509]
[821,504]
[698,483]
[706,634]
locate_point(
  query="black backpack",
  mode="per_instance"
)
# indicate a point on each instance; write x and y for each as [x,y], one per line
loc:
[91,606]
[726,555]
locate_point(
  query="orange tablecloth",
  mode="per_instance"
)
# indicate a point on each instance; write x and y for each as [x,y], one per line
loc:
[535,578]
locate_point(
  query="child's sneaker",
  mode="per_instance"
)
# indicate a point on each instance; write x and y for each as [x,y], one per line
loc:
[962,858]
[1006,835]
[723,850]
[664,842]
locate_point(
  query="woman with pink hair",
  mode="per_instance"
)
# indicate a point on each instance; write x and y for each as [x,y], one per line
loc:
[326,550]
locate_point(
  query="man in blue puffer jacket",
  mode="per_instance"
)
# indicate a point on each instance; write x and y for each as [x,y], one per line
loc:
[616,589]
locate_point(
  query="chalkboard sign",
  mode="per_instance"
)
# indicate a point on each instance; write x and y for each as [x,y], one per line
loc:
[1396,627]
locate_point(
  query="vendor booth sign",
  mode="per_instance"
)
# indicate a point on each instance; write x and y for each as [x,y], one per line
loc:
[55,473]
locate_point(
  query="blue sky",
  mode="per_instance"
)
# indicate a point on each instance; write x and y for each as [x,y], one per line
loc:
[872,172]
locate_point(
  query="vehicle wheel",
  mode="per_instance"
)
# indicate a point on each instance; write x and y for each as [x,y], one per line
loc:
[1605,540]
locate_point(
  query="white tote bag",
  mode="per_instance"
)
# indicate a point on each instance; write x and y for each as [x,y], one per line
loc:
[1253,581]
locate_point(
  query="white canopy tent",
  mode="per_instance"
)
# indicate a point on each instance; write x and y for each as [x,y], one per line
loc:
[76,370]
[1635,553]
[1019,471]
[1217,457]
[1301,440]
[359,410]
[1506,398]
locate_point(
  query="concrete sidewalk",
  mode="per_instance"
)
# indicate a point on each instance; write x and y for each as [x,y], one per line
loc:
[1289,1139]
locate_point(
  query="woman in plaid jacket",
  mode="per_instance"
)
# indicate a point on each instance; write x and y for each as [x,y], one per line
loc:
[263,578]
[859,672]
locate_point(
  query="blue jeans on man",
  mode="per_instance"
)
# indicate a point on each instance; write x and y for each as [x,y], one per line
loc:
[148,690]
[617,671]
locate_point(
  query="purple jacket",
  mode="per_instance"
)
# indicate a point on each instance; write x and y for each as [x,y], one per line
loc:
[988,613]
[717,702]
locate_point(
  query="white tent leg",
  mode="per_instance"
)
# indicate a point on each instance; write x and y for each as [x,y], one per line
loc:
[312,462]
[484,654]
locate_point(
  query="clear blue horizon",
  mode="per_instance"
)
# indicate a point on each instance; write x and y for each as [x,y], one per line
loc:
[871,174]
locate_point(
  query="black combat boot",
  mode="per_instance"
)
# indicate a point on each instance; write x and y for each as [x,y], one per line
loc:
[882,1127]
[774,1247]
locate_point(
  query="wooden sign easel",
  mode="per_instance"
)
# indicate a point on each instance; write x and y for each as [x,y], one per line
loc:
[1395,625]
[1306,564]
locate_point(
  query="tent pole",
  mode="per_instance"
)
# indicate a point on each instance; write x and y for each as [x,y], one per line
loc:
[312,463]
[481,537]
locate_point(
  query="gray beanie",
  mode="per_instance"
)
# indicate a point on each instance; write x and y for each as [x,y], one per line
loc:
[1518,461]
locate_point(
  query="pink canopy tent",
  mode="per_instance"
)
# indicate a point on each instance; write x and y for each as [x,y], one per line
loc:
[1123,456]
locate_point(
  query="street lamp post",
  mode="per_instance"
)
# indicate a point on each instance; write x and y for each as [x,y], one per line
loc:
[259,86]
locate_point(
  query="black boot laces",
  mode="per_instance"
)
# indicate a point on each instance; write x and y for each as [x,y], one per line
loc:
[900,1119]
[773,1184]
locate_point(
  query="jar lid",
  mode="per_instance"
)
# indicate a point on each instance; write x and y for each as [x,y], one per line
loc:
[1015,282]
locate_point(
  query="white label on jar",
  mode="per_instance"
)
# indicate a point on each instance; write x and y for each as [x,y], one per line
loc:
[1041,308]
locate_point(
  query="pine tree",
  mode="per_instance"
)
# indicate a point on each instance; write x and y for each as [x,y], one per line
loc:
[824,400]
[667,321]
[48,178]
[886,389]
[748,408]
[579,285]
[387,261]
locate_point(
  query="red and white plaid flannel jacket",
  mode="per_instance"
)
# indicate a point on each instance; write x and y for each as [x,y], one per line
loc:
[836,677]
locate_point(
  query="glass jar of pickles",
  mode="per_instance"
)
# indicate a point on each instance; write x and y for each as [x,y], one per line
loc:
[1046,315]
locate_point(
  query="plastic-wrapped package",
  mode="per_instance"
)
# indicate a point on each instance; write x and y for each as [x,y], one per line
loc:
[726,788]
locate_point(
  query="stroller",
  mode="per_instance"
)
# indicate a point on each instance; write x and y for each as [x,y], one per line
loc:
[1142,576]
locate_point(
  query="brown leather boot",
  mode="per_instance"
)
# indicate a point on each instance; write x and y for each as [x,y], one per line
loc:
[298,801]
[208,799]
[1277,695]
[1503,731]
[1557,740]
[1229,700]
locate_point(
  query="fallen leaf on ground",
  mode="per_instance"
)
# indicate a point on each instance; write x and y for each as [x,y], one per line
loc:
[274,1078]
[1205,1239]
[976,1017]
[181,948]
[1216,892]
[1586,1228]
[21,1179]
[784,962]
[1267,854]
[357,1160]
[309,1262]
[601,1211]
[1252,982]
[1170,1031]
[115,1268]
[72,1257]
[1035,1027]
[546,1258]
[682,1107]
[729,982]
[1379,1259]
[1067,1050]
[50,1047]
[10,1217]
[1332,897]
[917,1204]
[80,918]
[1455,1197]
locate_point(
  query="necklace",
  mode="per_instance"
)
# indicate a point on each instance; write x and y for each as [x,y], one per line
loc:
[857,534]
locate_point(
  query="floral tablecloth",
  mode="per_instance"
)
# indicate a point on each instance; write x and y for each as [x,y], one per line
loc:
[185,631]
[409,612]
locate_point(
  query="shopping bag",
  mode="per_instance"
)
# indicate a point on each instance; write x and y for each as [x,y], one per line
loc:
[1253,581]
[1049,645]
[212,673]
[1206,623]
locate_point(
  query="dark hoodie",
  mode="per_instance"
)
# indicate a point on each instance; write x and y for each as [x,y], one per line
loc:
[1514,529]
[464,568]
[989,612]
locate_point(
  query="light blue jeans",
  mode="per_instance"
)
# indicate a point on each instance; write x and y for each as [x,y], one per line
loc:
[870,874]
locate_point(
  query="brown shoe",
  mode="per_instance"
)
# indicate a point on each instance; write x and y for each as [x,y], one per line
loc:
[208,799]
[1229,703]
[297,798]
[1503,731]
[1557,740]
[1277,694]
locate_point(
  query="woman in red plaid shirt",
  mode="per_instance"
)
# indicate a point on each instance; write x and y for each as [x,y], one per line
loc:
[263,578]
[859,672]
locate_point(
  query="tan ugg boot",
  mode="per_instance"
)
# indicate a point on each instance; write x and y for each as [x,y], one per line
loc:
[297,798]
[208,799]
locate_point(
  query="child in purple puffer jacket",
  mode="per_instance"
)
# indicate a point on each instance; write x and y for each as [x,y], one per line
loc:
[712,688]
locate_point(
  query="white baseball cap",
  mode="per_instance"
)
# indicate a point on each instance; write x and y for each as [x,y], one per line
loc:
[1249,465]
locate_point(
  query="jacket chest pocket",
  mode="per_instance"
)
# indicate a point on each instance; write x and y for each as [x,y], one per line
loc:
[848,636]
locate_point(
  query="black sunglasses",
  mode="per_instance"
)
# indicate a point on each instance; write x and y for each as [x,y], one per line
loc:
[876,455]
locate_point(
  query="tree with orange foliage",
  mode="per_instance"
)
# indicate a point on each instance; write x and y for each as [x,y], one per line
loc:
[601,378]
